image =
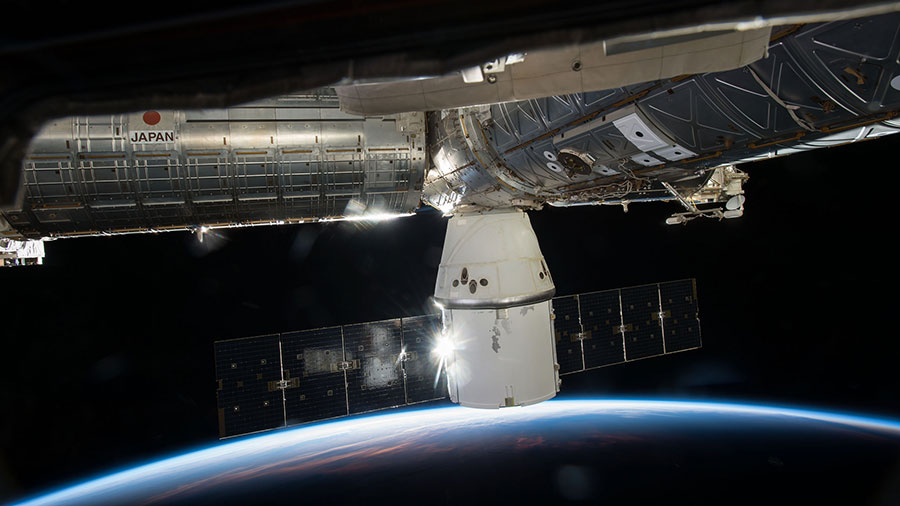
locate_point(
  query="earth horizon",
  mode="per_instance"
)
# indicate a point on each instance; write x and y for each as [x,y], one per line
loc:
[559,451]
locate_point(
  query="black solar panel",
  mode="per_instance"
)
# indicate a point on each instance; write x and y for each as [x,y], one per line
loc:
[601,319]
[248,373]
[424,378]
[270,381]
[640,315]
[312,366]
[375,380]
[681,321]
[567,330]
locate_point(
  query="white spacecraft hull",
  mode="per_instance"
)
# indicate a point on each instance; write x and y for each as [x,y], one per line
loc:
[501,357]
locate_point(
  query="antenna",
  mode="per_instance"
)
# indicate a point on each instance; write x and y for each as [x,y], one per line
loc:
[735,203]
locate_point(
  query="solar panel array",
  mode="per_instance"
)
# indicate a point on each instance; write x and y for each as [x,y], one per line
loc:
[610,327]
[279,380]
[284,379]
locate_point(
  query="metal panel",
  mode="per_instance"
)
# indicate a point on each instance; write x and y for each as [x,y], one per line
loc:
[158,178]
[639,133]
[675,153]
[104,177]
[255,174]
[646,160]
[601,319]
[50,180]
[375,377]
[315,384]
[868,46]
[517,122]
[425,379]
[640,316]
[248,373]
[208,175]
[681,321]
[567,330]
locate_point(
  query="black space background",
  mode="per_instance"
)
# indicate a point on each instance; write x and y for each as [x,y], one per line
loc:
[107,354]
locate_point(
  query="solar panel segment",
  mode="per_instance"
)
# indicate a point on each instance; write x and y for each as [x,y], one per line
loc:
[374,373]
[640,317]
[602,321]
[681,321]
[248,372]
[567,331]
[312,360]
[425,380]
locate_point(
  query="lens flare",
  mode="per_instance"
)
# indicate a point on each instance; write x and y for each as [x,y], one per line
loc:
[443,355]
[443,348]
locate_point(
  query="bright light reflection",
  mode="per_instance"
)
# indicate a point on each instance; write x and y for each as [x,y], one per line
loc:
[373,217]
[443,348]
[446,207]
[443,355]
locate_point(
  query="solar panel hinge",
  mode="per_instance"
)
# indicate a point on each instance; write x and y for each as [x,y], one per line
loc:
[284,384]
[661,315]
[347,365]
[408,355]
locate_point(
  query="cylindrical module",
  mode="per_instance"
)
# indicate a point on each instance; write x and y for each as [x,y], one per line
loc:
[495,289]
[665,138]
[288,159]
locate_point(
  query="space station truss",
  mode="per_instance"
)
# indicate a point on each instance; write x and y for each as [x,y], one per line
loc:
[278,380]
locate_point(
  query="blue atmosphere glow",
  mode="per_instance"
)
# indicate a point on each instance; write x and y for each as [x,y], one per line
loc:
[361,437]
